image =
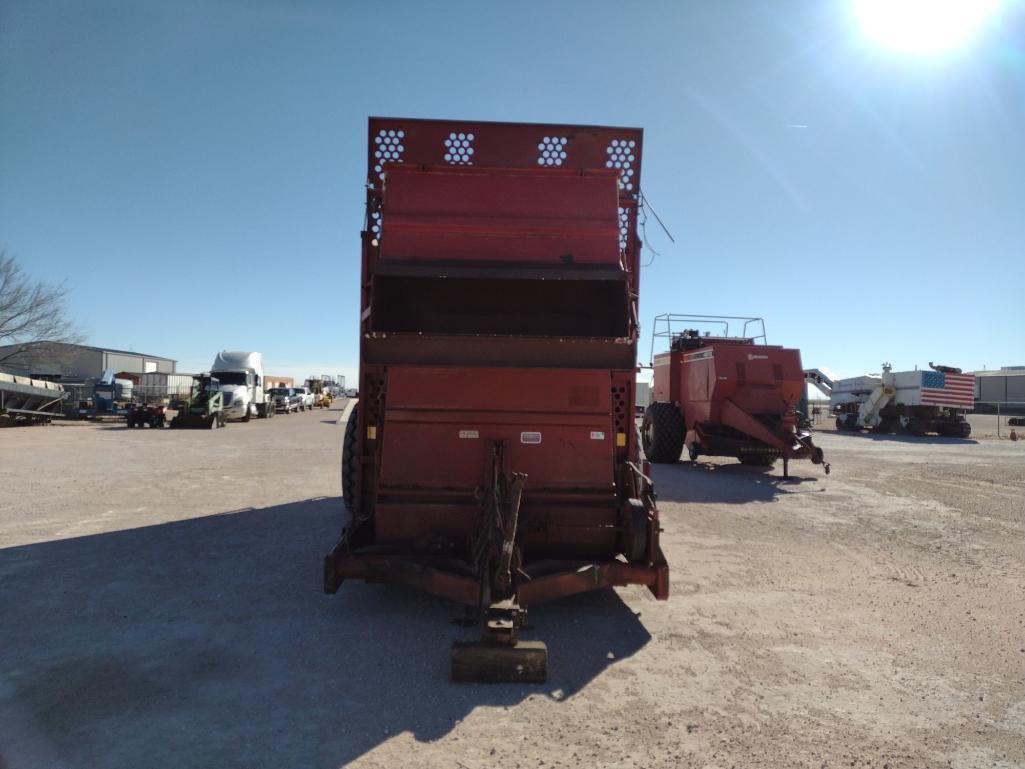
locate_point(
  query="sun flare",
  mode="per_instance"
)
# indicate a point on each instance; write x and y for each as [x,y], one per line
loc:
[923,26]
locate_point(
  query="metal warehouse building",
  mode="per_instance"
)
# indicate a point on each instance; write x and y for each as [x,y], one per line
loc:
[1006,385]
[75,362]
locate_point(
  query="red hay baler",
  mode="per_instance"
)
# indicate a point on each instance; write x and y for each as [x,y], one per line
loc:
[492,458]
[723,395]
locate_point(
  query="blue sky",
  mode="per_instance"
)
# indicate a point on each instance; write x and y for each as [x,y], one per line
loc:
[195,170]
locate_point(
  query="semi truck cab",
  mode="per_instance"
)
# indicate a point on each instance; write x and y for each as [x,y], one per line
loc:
[241,381]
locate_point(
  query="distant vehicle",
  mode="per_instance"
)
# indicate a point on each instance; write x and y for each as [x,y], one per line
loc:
[305,398]
[352,392]
[914,402]
[285,399]
[321,392]
[241,380]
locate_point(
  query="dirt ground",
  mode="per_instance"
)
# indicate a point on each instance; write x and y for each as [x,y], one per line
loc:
[161,606]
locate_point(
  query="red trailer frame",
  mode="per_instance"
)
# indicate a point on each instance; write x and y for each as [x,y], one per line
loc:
[495,452]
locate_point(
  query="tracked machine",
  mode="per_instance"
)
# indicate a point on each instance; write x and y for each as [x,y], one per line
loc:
[492,457]
[723,394]
[204,408]
[912,402]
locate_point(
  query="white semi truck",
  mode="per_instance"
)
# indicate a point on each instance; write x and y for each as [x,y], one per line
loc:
[915,402]
[241,380]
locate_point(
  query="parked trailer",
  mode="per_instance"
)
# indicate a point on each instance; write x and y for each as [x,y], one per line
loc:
[913,402]
[159,386]
[726,395]
[492,458]
[26,401]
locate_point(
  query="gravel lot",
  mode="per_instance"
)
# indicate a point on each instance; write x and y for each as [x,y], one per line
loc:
[160,606]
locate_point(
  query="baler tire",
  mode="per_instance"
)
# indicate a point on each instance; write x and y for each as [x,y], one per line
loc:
[350,461]
[663,431]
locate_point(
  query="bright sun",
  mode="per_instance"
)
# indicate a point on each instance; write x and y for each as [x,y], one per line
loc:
[923,26]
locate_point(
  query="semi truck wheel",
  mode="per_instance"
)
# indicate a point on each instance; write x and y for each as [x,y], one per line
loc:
[662,431]
[350,462]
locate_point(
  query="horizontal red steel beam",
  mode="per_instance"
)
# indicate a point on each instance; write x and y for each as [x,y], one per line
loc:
[418,573]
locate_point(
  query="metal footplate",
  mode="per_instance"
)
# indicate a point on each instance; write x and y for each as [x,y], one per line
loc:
[500,657]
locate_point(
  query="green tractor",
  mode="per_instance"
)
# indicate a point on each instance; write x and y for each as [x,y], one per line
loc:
[204,408]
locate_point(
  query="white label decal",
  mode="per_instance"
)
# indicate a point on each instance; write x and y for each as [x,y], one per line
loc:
[530,437]
[469,434]
[751,356]
[597,435]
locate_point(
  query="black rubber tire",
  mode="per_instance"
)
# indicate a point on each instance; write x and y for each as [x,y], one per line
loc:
[350,461]
[663,431]
[694,451]
[966,429]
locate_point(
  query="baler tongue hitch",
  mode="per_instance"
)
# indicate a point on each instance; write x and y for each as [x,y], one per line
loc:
[499,656]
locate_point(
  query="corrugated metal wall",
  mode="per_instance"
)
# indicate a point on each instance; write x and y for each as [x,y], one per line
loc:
[1002,389]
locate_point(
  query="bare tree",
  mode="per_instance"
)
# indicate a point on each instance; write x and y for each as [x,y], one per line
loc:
[31,312]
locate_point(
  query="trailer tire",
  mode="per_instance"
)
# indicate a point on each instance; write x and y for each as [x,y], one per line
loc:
[663,432]
[350,462]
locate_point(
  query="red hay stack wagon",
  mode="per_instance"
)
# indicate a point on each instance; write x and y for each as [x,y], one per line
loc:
[723,395]
[492,458]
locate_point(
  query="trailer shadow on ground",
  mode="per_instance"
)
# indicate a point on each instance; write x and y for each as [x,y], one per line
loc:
[208,642]
[893,438]
[731,482]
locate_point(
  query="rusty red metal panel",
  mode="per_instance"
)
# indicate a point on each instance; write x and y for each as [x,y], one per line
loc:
[506,216]
[442,421]
[746,374]
[395,142]
[503,145]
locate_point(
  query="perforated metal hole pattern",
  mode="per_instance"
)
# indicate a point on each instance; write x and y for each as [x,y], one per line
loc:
[624,228]
[459,149]
[389,148]
[619,408]
[552,150]
[621,156]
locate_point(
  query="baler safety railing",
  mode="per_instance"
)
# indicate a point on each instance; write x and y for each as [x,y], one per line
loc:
[669,324]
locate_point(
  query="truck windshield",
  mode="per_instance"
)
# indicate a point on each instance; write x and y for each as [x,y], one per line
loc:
[232,377]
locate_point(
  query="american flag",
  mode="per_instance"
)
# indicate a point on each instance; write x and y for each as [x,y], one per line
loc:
[956,391]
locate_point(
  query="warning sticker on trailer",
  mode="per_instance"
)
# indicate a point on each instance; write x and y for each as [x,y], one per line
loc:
[597,435]
[530,437]
[469,434]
